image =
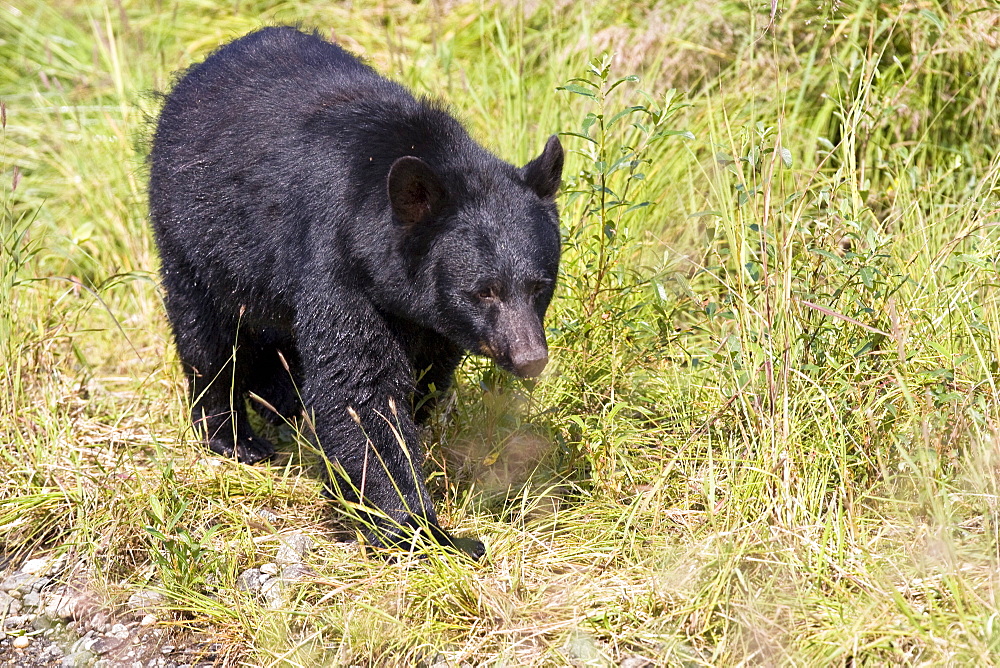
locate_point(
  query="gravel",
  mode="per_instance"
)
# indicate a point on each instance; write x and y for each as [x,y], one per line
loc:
[49,617]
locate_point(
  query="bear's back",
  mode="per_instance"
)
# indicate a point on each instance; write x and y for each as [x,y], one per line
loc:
[273,154]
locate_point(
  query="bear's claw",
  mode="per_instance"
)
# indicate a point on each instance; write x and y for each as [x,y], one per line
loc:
[246,451]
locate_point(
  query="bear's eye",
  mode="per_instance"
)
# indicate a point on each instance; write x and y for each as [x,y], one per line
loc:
[537,288]
[487,295]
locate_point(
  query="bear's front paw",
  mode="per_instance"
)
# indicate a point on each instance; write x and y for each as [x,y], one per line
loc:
[413,534]
[470,546]
[246,450]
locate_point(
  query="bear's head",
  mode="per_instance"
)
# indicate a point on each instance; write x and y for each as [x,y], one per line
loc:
[486,248]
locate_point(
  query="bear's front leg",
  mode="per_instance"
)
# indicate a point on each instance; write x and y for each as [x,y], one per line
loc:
[356,385]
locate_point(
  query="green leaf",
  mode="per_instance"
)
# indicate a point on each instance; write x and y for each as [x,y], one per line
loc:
[155,534]
[624,112]
[687,134]
[630,79]
[867,275]
[786,156]
[581,136]
[933,18]
[579,90]
[827,254]
[155,509]
[618,164]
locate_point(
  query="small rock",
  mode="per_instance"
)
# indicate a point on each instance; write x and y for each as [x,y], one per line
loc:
[167,649]
[106,644]
[17,620]
[295,572]
[99,622]
[21,642]
[268,515]
[582,646]
[31,600]
[37,585]
[251,580]
[635,662]
[273,593]
[119,631]
[439,661]
[55,651]
[146,599]
[269,569]
[62,606]
[209,462]
[17,582]
[9,605]
[42,623]
[148,620]
[35,566]
[77,659]
[293,548]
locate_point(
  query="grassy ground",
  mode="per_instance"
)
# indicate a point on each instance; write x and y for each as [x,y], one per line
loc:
[769,432]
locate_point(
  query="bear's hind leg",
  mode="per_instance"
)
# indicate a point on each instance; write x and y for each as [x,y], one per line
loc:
[216,366]
[218,406]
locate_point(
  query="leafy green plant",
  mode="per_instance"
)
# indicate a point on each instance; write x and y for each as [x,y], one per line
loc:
[607,302]
[603,198]
[182,555]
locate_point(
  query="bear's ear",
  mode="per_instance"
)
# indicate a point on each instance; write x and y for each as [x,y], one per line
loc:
[544,173]
[415,191]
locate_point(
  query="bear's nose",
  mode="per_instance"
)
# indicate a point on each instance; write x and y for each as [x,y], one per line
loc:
[529,363]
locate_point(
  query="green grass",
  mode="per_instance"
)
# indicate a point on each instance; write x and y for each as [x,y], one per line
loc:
[769,432]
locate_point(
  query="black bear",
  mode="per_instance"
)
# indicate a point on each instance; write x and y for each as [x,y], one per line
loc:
[326,236]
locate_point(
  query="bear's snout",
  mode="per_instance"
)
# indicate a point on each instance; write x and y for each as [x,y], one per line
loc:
[530,363]
[525,342]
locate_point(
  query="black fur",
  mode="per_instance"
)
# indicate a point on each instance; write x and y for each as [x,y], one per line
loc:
[306,206]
